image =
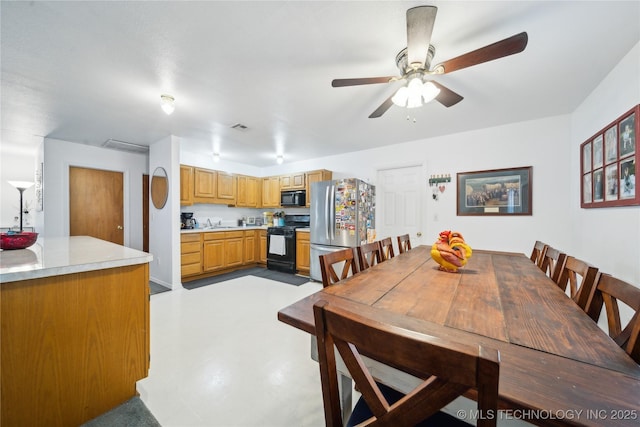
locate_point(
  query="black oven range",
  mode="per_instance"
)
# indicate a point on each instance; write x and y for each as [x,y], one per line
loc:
[281,243]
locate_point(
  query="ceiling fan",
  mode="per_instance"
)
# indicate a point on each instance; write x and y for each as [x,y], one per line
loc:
[414,63]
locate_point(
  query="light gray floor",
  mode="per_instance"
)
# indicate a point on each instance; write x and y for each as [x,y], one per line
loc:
[220,357]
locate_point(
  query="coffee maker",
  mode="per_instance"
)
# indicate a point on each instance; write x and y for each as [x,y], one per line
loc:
[187,222]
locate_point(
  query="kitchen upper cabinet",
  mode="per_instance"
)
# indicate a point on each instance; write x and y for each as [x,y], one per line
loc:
[248,194]
[292,182]
[186,185]
[214,187]
[316,176]
[226,187]
[271,192]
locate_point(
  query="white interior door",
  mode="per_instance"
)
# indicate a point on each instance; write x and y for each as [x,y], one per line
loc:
[400,193]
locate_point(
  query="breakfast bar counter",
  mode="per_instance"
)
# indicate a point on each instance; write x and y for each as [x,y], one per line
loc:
[75,329]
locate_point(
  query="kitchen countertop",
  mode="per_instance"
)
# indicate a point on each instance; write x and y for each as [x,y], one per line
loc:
[65,255]
[216,229]
[303,230]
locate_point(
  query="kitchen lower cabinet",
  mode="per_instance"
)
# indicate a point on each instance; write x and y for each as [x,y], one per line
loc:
[234,248]
[262,246]
[250,246]
[303,253]
[190,254]
[213,252]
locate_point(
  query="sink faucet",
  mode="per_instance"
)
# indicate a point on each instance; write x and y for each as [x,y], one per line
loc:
[209,222]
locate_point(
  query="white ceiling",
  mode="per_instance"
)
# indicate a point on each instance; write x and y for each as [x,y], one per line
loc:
[90,71]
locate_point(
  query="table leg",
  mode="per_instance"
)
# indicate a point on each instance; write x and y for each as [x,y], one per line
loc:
[345,388]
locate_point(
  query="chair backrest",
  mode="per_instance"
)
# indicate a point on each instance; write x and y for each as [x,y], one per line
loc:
[404,244]
[553,262]
[538,253]
[450,368]
[369,255]
[581,277]
[329,262]
[609,290]
[386,245]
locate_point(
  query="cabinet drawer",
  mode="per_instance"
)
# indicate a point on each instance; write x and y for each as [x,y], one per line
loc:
[190,237]
[190,247]
[216,235]
[302,236]
[233,234]
[190,259]
[191,269]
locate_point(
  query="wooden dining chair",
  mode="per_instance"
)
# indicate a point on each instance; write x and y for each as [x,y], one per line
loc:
[369,254]
[404,243]
[386,246]
[608,291]
[580,276]
[340,259]
[552,263]
[449,370]
[537,253]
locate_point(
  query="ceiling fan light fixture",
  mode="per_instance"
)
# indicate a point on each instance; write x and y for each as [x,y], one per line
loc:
[429,92]
[216,157]
[279,159]
[167,102]
[414,98]
[401,96]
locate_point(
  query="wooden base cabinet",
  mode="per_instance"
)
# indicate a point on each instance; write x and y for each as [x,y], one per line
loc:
[73,346]
[190,254]
[303,253]
[262,242]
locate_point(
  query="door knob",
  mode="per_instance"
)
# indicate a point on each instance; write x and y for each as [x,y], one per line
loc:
[119,227]
[419,234]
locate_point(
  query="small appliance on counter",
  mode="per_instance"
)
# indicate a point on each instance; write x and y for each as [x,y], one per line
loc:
[187,222]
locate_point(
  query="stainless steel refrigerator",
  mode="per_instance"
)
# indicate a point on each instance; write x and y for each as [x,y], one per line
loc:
[342,216]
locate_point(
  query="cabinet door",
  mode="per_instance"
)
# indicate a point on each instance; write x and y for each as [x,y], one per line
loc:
[213,256]
[315,176]
[241,192]
[285,182]
[204,183]
[297,181]
[226,186]
[233,251]
[253,192]
[262,241]
[303,252]
[250,247]
[271,192]
[186,185]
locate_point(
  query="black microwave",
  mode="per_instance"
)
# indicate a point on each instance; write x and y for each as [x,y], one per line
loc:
[293,198]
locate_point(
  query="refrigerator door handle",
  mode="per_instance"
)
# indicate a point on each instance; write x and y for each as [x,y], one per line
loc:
[326,213]
[332,206]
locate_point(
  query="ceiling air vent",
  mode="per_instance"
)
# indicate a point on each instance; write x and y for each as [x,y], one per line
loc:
[239,126]
[125,146]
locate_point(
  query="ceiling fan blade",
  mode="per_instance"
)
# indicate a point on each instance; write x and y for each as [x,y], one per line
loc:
[506,47]
[420,22]
[382,108]
[362,81]
[447,97]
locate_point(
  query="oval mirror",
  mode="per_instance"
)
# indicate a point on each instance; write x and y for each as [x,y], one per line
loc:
[159,187]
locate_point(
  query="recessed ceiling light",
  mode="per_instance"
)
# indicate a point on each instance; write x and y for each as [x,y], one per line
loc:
[280,159]
[216,157]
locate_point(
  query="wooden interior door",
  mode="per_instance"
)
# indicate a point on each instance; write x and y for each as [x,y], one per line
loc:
[96,204]
[399,204]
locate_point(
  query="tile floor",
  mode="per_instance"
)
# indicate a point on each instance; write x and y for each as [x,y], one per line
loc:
[220,357]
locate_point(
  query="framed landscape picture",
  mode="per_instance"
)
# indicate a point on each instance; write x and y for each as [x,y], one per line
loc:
[608,164]
[495,192]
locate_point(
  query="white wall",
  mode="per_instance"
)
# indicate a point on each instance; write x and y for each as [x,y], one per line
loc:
[164,226]
[607,237]
[59,155]
[543,144]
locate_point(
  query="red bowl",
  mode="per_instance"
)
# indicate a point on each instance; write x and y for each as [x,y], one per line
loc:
[17,240]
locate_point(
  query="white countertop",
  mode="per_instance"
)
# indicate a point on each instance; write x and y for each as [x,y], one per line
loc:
[216,229]
[65,255]
[303,230]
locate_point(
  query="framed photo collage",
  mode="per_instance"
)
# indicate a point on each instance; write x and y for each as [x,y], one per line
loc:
[609,162]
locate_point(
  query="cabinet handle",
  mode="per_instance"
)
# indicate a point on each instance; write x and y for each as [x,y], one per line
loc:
[419,234]
[119,227]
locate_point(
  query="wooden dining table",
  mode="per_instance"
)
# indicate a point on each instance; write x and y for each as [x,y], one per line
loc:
[557,366]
